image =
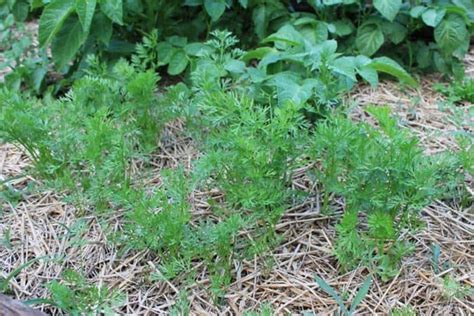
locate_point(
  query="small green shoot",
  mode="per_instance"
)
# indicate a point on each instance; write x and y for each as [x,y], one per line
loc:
[361,293]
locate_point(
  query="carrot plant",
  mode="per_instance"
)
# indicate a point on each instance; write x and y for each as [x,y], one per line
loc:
[85,141]
[385,180]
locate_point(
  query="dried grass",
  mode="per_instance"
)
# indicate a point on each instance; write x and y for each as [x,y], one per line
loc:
[284,278]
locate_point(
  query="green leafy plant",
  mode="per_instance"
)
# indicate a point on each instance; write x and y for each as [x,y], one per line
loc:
[403,311]
[84,142]
[302,64]
[74,296]
[175,52]
[381,173]
[26,66]
[362,292]
[458,91]
[452,288]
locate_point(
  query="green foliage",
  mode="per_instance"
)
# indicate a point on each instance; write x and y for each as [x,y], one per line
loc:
[452,288]
[430,36]
[362,292]
[85,141]
[174,52]
[74,296]
[403,311]
[25,65]
[381,173]
[458,90]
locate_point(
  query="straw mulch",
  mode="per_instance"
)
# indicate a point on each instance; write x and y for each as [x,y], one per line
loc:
[41,224]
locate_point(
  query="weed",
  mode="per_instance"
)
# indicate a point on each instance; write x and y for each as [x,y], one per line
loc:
[461,90]
[75,296]
[403,311]
[362,292]
[452,288]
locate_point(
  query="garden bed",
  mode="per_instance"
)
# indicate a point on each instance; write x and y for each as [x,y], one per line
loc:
[43,225]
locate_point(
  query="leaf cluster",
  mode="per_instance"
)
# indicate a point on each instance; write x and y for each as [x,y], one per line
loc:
[385,180]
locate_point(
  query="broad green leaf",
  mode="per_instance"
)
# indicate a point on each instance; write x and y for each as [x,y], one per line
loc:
[235,66]
[113,9]
[20,10]
[388,8]
[260,20]
[334,2]
[67,42]
[52,19]
[215,8]
[193,3]
[432,17]
[467,5]
[178,41]
[165,51]
[345,66]
[451,33]
[244,3]
[102,28]
[285,36]
[315,34]
[369,39]
[287,89]
[391,67]
[258,53]
[85,10]
[440,63]
[344,27]
[395,31]
[451,9]
[369,74]
[178,63]
[417,11]
[423,56]
[196,49]
[364,289]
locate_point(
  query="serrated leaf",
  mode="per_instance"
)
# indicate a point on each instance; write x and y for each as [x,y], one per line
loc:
[113,9]
[451,33]
[391,67]
[178,63]
[67,42]
[369,39]
[52,19]
[85,10]
[432,17]
[215,8]
[388,8]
